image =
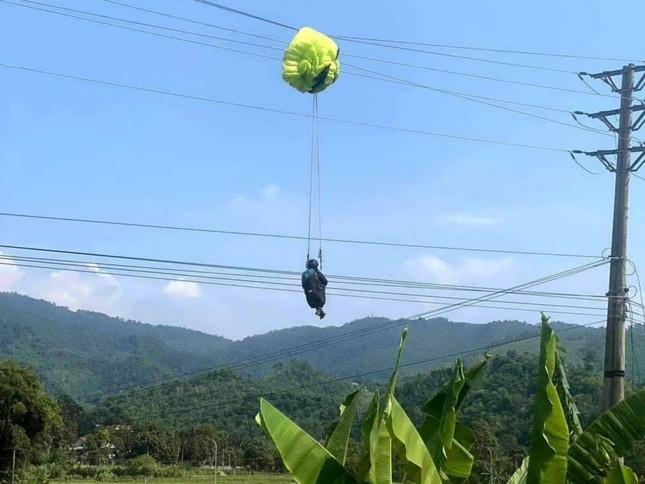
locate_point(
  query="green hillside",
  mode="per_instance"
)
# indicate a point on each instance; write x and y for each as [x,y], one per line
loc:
[88,355]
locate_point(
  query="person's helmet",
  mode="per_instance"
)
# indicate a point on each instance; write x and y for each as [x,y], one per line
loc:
[312,264]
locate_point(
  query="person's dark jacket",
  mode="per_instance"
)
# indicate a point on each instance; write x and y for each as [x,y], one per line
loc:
[314,283]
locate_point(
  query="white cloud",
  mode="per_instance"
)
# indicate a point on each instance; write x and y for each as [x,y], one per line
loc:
[271,191]
[183,290]
[76,290]
[267,194]
[470,220]
[10,273]
[469,270]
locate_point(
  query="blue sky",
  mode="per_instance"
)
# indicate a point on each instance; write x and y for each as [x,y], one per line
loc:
[70,148]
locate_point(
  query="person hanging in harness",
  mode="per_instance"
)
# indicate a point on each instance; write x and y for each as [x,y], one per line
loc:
[314,283]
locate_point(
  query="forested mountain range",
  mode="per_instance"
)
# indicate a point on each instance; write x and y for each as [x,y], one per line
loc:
[86,354]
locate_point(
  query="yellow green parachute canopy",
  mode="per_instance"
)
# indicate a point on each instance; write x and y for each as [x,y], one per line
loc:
[310,63]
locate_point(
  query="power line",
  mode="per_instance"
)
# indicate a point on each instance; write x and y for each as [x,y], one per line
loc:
[597,263]
[273,356]
[544,280]
[455,56]
[290,113]
[367,42]
[398,80]
[440,311]
[193,21]
[379,77]
[360,375]
[156,34]
[290,275]
[136,22]
[488,49]
[264,46]
[246,14]
[359,333]
[389,78]
[478,76]
[294,237]
[63,264]
[428,44]
[244,363]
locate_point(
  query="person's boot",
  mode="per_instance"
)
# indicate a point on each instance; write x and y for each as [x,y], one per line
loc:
[321,313]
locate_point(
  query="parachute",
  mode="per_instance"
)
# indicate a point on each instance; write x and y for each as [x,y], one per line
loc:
[310,62]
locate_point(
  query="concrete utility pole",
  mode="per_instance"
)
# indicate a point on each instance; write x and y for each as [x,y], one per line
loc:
[614,386]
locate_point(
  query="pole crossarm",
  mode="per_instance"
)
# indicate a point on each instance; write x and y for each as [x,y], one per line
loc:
[608,77]
[604,117]
[638,163]
[603,154]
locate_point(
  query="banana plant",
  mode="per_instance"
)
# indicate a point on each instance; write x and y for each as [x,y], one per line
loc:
[449,441]
[594,455]
[550,433]
[385,428]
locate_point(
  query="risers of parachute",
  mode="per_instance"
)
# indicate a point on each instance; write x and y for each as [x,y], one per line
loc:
[310,63]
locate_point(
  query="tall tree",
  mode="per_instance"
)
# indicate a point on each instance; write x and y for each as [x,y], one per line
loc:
[28,416]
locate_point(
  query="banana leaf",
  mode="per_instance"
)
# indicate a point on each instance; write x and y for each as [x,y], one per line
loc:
[621,474]
[609,437]
[472,378]
[307,460]
[339,431]
[448,441]
[376,433]
[564,391]
[410,448]
[550,434]
[519,476]
[439,426]
[376,466]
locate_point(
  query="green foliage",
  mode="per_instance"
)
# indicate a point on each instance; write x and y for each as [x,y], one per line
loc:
[448,441]
[160,442]
[84,354]
[410,447]
[609,437]
[306,459]
[550,434]
[339,432]
[520,475]
[144,465]
[310,407]
[29,418]
[564,393]
[376,464]
[198,444]
[620,474]
[385,427]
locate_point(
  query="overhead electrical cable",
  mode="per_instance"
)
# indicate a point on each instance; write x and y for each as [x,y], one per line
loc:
[380,327]
[359,376]
[296,237]
[340,288]
[181,39]
[291,113]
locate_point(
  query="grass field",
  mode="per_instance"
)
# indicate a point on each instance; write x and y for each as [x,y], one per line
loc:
[250,479]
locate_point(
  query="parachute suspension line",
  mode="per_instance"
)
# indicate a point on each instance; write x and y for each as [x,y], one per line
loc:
[314,171]
[320,256]
[312,165]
